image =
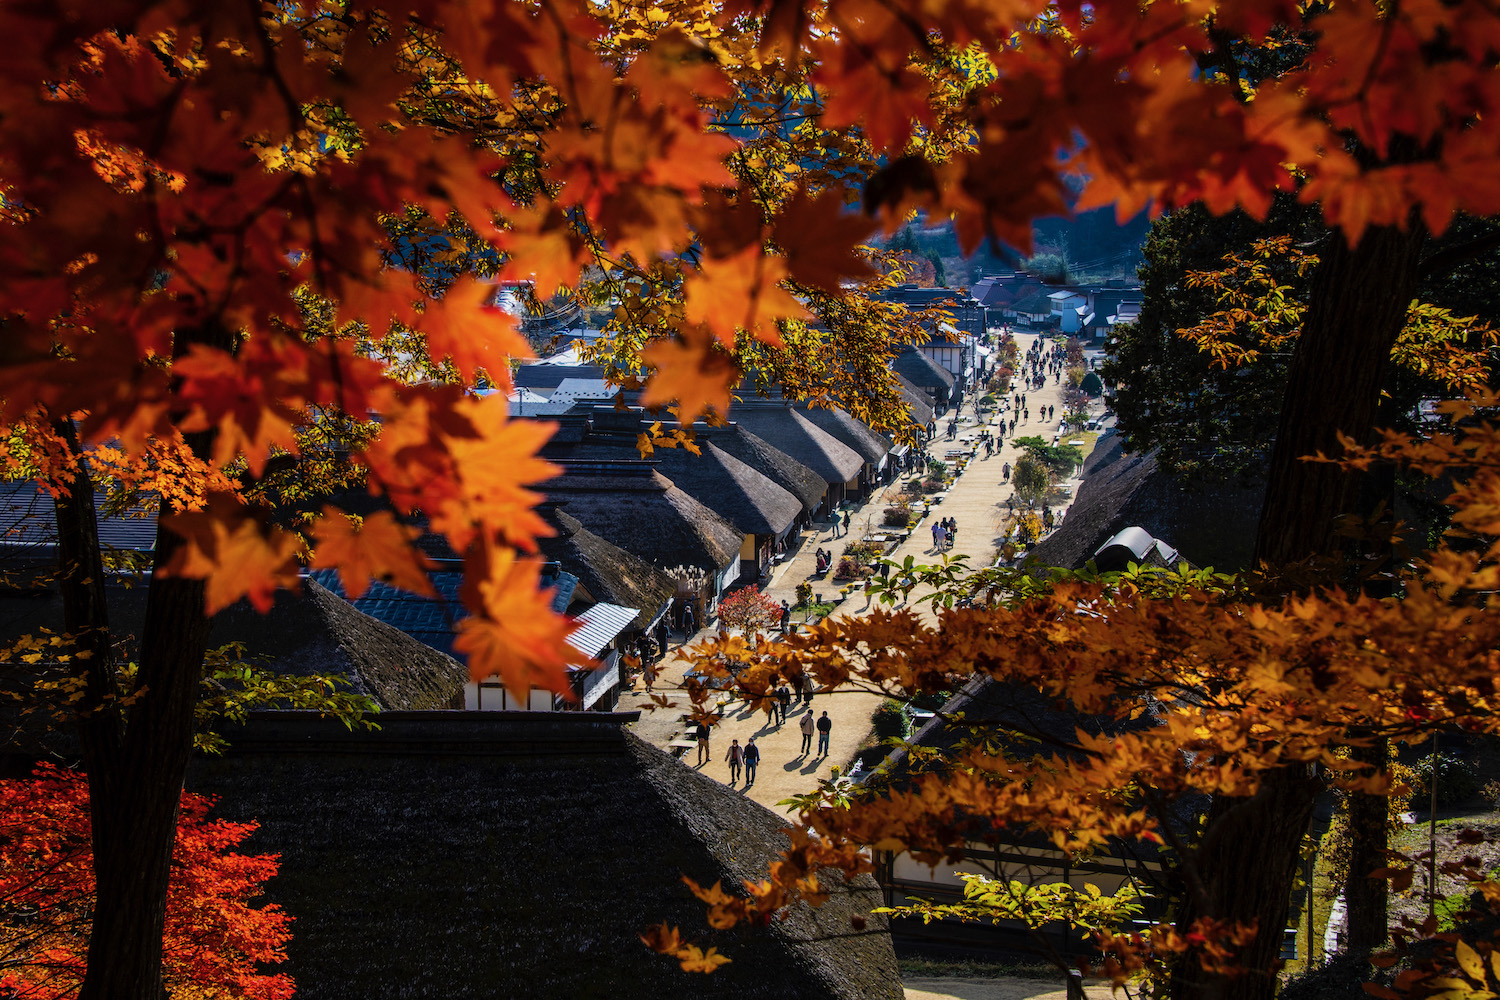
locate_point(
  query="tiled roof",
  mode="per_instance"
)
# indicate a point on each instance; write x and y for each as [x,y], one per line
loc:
[28,521]
[433,621]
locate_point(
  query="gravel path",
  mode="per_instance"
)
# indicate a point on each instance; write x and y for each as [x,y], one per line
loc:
[990,989]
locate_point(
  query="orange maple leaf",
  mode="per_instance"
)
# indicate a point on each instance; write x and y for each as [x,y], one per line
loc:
[741,291]
[692,370]
[514,634]
[379,547]
[818,236]
[465,328]
[234,554]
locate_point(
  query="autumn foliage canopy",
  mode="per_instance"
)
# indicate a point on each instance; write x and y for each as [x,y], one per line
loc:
[208,200]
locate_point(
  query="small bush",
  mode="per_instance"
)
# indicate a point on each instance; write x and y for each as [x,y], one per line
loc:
[898,515]
[847,569]
[804,594]
[1092,384]
[1457,781]
[931,485]
[863,551]
[891,720]
[936,469]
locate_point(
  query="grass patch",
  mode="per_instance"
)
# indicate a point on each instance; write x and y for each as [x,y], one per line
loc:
[959,968]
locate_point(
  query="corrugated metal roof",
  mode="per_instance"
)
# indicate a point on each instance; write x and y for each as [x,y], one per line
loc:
[599,625]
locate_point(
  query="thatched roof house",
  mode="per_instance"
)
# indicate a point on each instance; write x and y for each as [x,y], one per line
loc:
[606,572]
[744,497]
[917,401]
[630,504]
[1208,524]
[926,374]
[474,855]
[872,447]
[318,632]
[790,431]
[776,465]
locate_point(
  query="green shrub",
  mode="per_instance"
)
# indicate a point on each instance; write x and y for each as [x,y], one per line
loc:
[898,515]
[891,720]
[1092,384]
[1457,781]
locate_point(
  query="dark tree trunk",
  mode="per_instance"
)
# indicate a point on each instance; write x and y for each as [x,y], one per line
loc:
[133,846]
[1246,867]
[1356,310]
[136,762]
[1364,897]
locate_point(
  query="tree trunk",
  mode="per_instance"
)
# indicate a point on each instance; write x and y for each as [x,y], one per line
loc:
[136,789]
[133,846]
[1365,897]
[1357,308]
[1246,866]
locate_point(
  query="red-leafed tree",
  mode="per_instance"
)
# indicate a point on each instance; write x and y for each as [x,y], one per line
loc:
[748,609]
[214,941]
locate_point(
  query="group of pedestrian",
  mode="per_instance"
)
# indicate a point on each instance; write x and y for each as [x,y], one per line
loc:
[748,756]
[824,559]
[943,532]
[837,521]
[824,729]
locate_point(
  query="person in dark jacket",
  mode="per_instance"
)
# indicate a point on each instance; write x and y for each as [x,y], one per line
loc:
[825,727]
[702,734]
[752,758]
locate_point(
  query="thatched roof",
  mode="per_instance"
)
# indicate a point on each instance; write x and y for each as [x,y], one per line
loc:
[872,447]
[917,400]
[922,372]
[751,502]
[605,570]
[482,854]
[776,465]
[637,508]
[790,431]
[1209,524]
[318,632]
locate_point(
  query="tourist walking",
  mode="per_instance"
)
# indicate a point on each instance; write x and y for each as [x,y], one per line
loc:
[702,734]
[752,758]
[687,621]
[806,725]
[736,757]
[825,727]
[786,617]
[783,699]
[937,534]
[846,522]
